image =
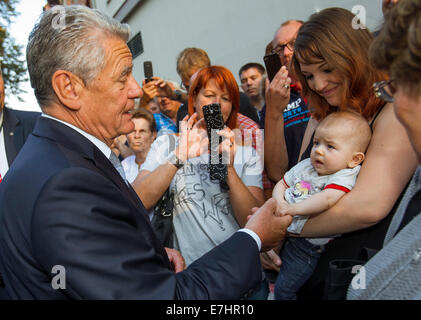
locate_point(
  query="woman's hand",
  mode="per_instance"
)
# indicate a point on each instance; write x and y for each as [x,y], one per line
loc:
[193,139]
[270,260]
[278,92]
[176,259]
[227,147]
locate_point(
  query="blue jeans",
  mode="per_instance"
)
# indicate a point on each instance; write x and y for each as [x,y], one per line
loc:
[262,293]
[299,259]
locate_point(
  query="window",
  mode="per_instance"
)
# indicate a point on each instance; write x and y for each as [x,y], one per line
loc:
[136,45]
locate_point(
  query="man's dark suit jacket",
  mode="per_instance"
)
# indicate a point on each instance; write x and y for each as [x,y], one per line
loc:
[17,125]
[64,204]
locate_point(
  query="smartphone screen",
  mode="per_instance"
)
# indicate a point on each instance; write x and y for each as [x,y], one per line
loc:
[273,64]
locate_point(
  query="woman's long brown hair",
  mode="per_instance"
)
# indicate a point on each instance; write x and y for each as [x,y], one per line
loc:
[330,36]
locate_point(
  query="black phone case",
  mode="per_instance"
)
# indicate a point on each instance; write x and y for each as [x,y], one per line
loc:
[214,121]
[148,70]
[273,64]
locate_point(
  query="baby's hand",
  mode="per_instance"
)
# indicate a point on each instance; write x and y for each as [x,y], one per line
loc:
[283,208]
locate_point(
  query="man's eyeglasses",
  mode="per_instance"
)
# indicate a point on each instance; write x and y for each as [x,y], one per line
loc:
[281,47]
[384,90]
[183,87]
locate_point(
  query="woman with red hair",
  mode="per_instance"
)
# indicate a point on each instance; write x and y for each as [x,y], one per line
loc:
[206,212]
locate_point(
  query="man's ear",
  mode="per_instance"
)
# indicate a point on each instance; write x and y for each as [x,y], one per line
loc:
[357,158]
[67,87]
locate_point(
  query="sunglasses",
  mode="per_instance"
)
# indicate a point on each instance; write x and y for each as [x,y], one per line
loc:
[384,90]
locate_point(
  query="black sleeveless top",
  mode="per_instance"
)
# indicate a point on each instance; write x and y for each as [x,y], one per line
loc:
[348,246]
[306,153]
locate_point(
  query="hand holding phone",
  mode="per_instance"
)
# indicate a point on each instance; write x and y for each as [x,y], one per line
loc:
[215,121]
[148,71]
[273,65]
[213,118]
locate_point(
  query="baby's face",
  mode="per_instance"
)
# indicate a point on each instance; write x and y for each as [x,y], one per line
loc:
[332,150]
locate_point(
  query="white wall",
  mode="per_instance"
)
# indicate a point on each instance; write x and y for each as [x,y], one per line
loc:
[108,6]
[233,32]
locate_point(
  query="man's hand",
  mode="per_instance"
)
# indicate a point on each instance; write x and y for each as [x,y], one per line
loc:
[150,90]
[176,259]
[164,87]
[270,228]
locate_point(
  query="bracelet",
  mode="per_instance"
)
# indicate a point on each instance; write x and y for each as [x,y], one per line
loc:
[174,160]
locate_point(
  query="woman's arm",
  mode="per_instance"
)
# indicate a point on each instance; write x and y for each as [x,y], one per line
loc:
[151,185]
[390,161]
[311,127]
[277,98]
[242,198]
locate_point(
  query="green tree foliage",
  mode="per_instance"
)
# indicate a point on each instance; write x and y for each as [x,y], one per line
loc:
[12,61]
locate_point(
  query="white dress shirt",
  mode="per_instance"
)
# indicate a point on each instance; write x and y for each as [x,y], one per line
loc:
[4,166]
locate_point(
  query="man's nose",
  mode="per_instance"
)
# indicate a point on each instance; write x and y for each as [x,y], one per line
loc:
[287,52]
[135,90]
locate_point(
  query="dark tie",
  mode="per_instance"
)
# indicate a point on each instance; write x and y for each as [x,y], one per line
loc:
[117,164]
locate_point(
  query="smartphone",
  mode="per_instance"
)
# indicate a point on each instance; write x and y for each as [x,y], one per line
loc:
[214,121]
[148,71]
[213,118]
[273,64]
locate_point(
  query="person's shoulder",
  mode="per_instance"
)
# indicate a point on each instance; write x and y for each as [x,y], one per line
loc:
[245,123]
[385,117]
[24,115]
[128,160]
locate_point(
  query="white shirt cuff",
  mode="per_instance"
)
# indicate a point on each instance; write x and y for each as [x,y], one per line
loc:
[254,236]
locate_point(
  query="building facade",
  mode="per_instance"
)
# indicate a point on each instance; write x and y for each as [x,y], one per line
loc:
[233,32]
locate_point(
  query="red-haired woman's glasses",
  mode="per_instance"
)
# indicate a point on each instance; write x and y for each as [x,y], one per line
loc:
[384,90]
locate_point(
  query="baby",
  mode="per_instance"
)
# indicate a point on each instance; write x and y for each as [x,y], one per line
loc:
[313,186]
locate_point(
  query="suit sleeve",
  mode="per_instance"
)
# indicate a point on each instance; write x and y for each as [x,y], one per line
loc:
[84,223]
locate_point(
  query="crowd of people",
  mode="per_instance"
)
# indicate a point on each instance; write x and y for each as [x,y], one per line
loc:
[316,169]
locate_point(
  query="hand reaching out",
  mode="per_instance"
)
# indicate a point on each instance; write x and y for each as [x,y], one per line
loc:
[193,139]
[270,228]
[150,90]
[283,208]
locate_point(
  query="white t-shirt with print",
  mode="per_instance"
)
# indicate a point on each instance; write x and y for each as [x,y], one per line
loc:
[203,216]
[303,181]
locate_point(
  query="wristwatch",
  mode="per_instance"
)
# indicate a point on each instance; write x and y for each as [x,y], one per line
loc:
[177,95]
[174,160]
